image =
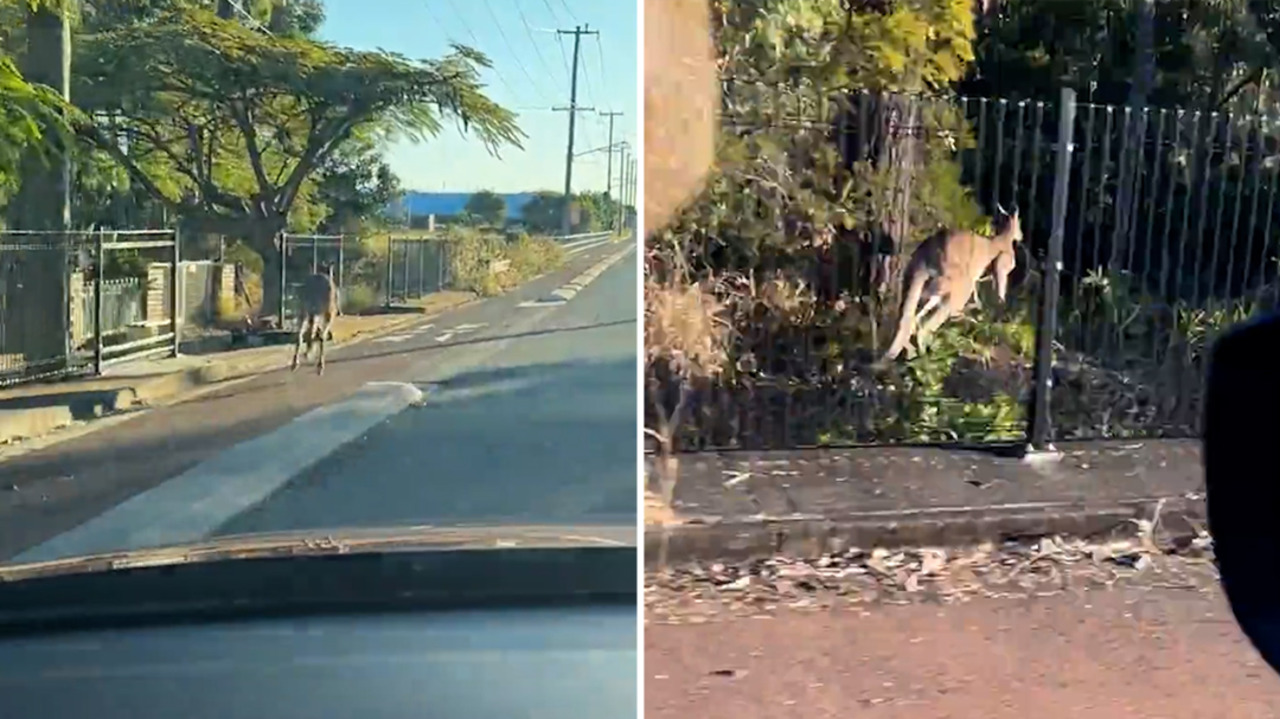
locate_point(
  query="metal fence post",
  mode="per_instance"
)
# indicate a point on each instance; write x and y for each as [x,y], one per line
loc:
[391,244]
[284,275]
[1039,424]
[175,292]
[100,260]
[408,247]
[342,240]
[421,270]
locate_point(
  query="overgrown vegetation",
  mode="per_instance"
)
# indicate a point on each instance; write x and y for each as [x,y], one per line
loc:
[846,141]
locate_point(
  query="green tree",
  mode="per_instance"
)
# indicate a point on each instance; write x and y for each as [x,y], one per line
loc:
[192,89]
[355,184]
[488,207]
[33,120]
[542,213]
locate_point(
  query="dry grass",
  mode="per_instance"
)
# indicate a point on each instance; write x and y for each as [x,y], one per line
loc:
[684,325]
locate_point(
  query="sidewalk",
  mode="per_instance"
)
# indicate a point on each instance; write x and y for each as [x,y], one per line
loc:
[33,410]
[731,507]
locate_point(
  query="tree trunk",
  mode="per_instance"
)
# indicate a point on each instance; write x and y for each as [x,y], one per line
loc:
[1135,133]
[881,129]
[36,309]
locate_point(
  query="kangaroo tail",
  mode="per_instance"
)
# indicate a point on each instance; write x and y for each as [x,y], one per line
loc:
[907,317]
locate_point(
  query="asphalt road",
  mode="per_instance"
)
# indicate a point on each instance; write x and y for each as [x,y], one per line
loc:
[1136,652]
[508,410]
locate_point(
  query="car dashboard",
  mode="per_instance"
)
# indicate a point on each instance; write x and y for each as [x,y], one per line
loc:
[542,662]
[496,633]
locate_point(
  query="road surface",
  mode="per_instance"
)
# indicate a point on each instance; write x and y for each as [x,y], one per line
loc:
[514,409]
[1137,652]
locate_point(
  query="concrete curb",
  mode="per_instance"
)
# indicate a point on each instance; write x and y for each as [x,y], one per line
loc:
[714,540]
[570,289]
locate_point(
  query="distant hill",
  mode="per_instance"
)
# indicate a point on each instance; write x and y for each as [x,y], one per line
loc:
[452,203]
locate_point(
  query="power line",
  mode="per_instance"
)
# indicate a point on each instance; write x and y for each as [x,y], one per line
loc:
[551,10]
[502,34]
[600,54]
[528,30]
[475,42]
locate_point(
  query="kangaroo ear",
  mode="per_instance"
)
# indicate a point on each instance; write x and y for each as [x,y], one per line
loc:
[1001,210]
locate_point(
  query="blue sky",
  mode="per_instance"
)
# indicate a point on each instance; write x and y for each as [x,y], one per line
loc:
[530,75]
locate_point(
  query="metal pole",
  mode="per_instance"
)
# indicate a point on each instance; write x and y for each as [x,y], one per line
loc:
[175,293]
[608,167]
[284,274]
[342,240]
[422,271]
[1039,425]
[577,32]
[404,271]
[100,259]
[390,268]
[622,189]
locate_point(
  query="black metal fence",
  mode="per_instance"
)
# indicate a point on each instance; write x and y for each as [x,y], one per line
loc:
[72,302]
[1146,232]
[416,268]
[369,271]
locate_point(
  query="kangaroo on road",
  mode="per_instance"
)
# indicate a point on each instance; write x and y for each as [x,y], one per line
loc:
[945,270]
[319,306]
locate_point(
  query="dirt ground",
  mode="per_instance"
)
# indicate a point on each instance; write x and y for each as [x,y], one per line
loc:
[1054,629]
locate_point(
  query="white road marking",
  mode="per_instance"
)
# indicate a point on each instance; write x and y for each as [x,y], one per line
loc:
[394,338]
[570,289]
[192,505]
[459,330]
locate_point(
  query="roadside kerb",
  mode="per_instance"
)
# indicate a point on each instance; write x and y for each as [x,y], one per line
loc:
[911,498]
[698,540]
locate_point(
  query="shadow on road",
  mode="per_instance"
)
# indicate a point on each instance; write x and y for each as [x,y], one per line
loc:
[343,368]
[534,442]
[483,340]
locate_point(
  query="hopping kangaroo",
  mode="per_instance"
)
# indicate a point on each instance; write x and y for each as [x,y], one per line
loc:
[945,269]
[319,300]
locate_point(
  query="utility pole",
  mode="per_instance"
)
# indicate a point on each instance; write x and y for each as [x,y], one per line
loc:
[631,189]
[622,186]
[608,168]
[577,32]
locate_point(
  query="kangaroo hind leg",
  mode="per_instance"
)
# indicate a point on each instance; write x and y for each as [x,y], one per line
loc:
[304,332]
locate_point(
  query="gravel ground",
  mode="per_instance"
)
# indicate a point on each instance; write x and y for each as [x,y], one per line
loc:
[1042,567]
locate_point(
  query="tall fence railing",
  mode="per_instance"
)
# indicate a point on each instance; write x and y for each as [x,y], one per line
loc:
[1146,232]
[416,268]
[73,302]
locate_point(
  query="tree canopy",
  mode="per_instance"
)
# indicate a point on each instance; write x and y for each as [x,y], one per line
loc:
[191,94]
[488,207]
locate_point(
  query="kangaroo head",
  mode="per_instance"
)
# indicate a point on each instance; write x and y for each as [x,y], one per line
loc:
[1008,224]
